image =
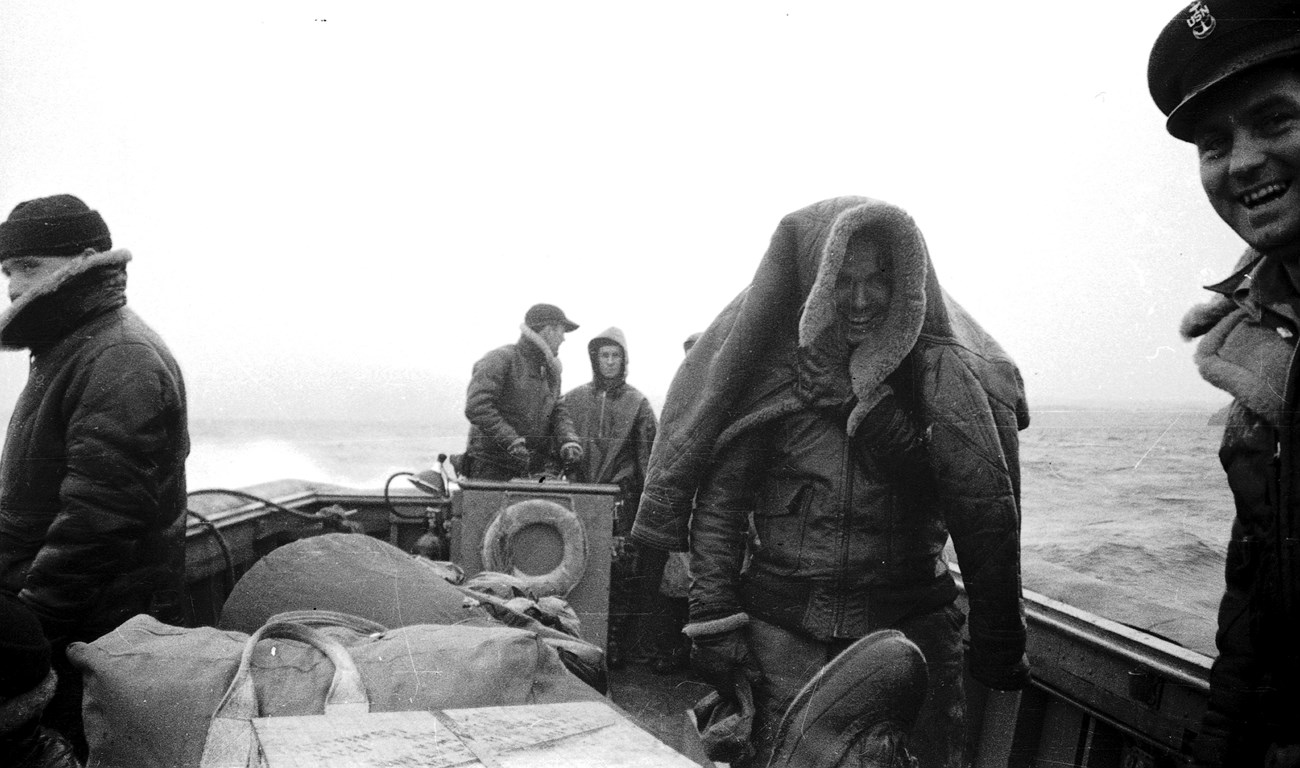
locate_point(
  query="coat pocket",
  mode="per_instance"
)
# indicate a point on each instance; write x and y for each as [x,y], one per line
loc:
[780,522]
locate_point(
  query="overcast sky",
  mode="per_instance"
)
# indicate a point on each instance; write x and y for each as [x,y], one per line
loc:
[336,208]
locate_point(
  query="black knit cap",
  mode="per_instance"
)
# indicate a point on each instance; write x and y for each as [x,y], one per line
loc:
[541,315]
[59,225]
[24,651]
[1211,41]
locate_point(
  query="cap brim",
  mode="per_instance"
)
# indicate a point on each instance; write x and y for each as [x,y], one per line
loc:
[569,325]
[1181,122]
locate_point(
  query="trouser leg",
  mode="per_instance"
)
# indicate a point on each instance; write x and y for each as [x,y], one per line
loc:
[789,660]
[938,740]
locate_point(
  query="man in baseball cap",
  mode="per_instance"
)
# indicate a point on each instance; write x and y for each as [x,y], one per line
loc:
[1226,75]
[518,421]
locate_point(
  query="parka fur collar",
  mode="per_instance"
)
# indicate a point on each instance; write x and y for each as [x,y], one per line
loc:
[540,346]
[761,358]
[76,267]
[1245,360]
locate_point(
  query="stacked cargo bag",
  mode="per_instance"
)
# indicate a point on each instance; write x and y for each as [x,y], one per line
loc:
[151,689]
[366,577]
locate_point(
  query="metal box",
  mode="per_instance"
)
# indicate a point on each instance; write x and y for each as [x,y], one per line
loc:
[540,548]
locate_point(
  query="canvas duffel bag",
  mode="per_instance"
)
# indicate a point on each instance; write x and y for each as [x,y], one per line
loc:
[363,576]
[151,689]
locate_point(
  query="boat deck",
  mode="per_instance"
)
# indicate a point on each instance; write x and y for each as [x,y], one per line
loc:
[1104,695]
[657,703]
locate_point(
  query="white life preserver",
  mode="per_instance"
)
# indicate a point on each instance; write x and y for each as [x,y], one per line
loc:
[497,545]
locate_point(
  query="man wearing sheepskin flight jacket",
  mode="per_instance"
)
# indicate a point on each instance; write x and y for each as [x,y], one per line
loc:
[859,416]
[518,422]
[92,479]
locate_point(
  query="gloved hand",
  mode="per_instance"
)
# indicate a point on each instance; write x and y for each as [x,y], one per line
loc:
[571,453]
[722,659]
[519,450]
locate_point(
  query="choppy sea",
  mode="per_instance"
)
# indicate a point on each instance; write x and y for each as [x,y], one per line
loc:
[1126,512]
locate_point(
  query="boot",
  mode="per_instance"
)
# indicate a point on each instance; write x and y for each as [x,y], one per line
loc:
[858,709]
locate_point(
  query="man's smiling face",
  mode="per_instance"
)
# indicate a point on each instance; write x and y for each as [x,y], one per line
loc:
[1248,142]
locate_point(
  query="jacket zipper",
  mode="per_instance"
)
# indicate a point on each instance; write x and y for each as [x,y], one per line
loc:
[600,415]
[846,521]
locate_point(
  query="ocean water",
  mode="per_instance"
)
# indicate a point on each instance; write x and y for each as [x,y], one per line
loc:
[1126,512]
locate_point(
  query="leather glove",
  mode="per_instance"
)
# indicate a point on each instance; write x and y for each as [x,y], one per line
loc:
[571,453]
[721,660]
[519,449]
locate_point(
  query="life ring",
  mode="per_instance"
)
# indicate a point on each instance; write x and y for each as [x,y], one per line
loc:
[497,545]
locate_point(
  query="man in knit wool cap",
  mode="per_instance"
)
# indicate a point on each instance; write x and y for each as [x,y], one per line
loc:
[92,478]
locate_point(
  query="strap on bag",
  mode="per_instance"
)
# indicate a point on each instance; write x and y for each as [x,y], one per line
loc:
[230,742]
[330,619]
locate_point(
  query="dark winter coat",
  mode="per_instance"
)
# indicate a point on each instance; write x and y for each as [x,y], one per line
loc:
[1248,349]
[615,422]
[514,392]
[92,479]
[764,359]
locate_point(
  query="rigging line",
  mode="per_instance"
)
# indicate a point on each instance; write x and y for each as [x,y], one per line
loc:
[1157,441]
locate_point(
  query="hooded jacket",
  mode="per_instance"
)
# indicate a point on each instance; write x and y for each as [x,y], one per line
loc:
[615,422]
[92,479]
[514,392]
[1247,348]
[762,360]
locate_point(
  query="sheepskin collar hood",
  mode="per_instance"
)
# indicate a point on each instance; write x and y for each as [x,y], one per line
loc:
[830,373]
[533,345]
[772,350]
[609,336]
[87,286]
[771,353]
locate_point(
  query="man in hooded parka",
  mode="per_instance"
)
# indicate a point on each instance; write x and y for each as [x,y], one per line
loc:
[615,423]
[92,480]
[859,416]
[617,428]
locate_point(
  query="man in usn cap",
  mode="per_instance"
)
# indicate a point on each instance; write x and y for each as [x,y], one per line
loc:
[1226,73]
[517,418]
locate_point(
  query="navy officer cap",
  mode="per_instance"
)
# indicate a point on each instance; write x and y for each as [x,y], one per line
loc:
[1211,41]
[540,315]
